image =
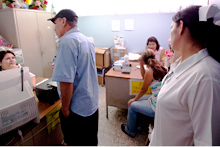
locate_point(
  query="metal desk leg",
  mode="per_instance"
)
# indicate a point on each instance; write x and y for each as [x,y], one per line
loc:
[103,76]
[106,110]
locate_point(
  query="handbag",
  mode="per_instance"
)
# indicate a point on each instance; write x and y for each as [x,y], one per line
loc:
[47,93]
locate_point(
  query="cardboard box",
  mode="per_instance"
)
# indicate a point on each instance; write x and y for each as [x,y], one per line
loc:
[103,57]
[100,80]
[119,52]
[1,1]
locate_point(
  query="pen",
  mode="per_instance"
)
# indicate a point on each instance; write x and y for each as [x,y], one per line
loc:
[21,78]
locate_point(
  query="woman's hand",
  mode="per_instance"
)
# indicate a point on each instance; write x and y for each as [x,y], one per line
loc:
[12,66]
[141,61]
[130,101]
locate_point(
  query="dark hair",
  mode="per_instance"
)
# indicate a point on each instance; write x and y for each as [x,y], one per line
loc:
[202,32]
[2,55]
[158,69]
[154,39]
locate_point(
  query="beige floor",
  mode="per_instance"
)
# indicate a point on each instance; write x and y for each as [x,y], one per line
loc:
[109,133]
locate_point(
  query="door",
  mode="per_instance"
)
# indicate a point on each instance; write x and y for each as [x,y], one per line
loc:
[27,27]
[47,41]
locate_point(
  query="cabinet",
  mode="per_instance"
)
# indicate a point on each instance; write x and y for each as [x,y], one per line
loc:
[30,31]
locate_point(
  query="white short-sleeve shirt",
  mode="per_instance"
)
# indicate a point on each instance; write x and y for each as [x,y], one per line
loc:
[31,74]
[188,104]
[157,54]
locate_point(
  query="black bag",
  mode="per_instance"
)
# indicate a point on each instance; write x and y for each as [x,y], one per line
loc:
[46,92]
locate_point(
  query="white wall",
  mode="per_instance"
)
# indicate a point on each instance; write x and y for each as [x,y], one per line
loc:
[214,2]
[49,5]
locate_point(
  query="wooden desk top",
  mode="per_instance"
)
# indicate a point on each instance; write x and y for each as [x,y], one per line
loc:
[44,108]
[135,73]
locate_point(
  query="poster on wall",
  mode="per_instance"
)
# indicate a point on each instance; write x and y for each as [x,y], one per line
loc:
[115,25]
[129,24]
[135,86]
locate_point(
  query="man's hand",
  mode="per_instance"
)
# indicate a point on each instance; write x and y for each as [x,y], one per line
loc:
[66,90]
[66,113]
[52,65]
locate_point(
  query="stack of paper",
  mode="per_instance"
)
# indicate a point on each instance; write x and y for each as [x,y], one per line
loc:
[133,56]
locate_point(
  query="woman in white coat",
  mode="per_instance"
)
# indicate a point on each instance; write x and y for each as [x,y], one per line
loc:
[188,104]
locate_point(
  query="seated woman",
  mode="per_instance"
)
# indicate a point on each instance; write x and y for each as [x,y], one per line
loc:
[152,43]
[145,104]
[8,61]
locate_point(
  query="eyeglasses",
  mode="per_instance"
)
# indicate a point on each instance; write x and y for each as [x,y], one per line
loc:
[151,45]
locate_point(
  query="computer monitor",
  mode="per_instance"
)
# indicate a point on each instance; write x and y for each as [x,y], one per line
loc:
[17,107]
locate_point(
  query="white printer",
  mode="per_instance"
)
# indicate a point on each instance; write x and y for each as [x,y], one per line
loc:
[17,101]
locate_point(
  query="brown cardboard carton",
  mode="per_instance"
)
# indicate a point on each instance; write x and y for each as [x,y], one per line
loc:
[119,52]
[102,56]
[100,79]
[1,1]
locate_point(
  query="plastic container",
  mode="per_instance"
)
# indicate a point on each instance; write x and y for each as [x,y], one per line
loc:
[126,60]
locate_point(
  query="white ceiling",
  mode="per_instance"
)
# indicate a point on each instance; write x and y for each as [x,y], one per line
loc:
[115,7]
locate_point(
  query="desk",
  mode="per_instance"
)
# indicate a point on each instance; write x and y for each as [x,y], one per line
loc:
[42,107]
[117,87]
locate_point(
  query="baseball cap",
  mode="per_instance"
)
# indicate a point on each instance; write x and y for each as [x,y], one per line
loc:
[67,13]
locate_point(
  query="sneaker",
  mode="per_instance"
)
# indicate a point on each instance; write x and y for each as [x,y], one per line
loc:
[123,129]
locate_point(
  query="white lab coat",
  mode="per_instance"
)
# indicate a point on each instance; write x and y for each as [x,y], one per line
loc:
[188,104]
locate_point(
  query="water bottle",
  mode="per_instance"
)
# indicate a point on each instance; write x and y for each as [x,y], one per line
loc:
[126,60]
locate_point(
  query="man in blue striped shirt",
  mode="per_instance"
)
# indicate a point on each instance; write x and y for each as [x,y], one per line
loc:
[76,75]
